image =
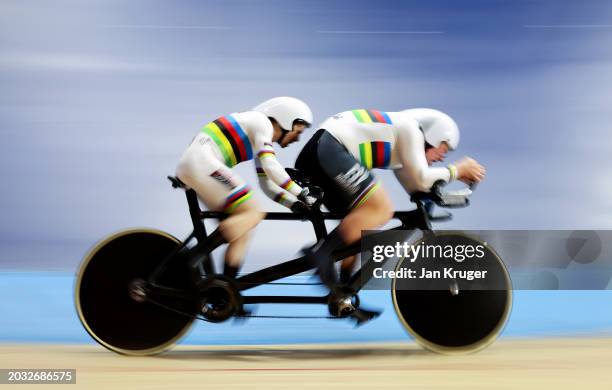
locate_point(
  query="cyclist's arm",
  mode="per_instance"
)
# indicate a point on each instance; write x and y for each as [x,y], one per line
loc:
[271,189]
[262,141]
[415,174]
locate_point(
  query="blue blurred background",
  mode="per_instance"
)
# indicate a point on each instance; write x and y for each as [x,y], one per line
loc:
[98,99]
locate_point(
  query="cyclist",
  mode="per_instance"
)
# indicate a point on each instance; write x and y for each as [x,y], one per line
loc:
[206,164]
[339,157]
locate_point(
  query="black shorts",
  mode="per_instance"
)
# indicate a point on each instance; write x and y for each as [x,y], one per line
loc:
[345,182]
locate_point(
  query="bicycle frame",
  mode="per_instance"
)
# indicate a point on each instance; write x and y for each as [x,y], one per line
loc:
[410,220]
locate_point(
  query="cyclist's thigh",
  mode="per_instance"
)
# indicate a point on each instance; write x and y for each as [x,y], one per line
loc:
[347,182]
[378,200]
[217,186]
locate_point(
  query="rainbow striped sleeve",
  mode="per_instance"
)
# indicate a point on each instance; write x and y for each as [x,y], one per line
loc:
[375,154]
[371,116]
[232,140]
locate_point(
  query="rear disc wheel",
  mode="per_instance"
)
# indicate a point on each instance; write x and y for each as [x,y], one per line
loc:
[110,293]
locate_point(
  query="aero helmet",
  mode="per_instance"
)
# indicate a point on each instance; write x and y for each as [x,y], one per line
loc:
[437,127]
[286,110]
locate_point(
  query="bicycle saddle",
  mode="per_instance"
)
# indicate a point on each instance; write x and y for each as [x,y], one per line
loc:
[176,182]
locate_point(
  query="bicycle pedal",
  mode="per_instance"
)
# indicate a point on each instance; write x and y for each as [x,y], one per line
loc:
[361,316]
[342,304]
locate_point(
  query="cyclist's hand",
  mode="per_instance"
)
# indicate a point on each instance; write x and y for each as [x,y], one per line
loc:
[310,195]
[300,207]
[469,170]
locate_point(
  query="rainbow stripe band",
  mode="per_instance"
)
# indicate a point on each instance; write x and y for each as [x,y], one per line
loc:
[371,116]
[453,171]
[287,184]
[361,199]
[279,198]
[236,198]
[232,140]
[283,199]
[376,154]
[265,153]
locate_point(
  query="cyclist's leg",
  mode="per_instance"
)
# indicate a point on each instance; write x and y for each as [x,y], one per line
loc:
[237,230]
[241,220]
[236,250]
[346,185]
[220,189]
[374,212]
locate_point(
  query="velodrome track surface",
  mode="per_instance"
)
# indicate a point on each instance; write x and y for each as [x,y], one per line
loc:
[560,363]
[554,339]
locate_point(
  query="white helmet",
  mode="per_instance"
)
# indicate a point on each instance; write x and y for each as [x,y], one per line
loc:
[286,110]
[436,126]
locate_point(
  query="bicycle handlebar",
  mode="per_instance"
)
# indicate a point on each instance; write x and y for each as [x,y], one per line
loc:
[448,199]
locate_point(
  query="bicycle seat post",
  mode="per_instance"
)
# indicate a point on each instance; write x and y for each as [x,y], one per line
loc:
[199,229]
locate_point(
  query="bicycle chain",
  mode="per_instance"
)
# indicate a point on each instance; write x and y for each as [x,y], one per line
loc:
[290,317]
[197,316]
[284,284]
